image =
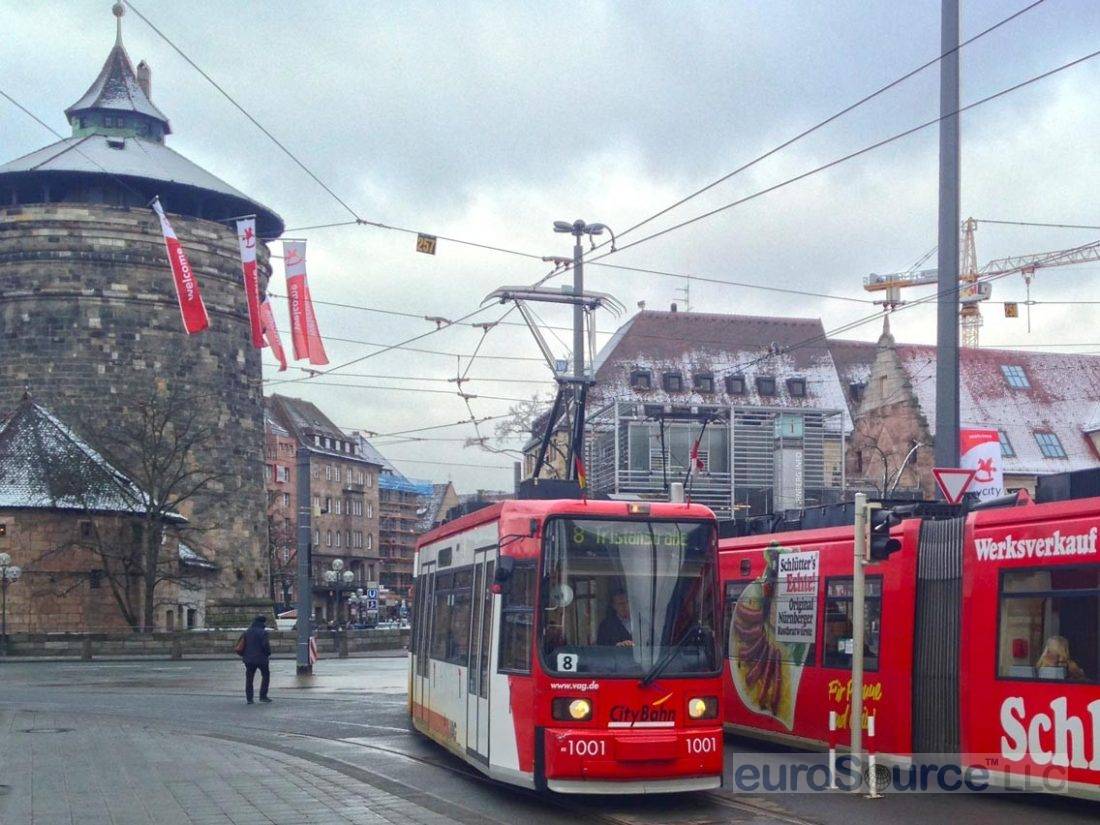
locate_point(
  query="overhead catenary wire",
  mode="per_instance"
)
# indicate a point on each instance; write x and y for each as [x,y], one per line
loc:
[821,124]
[850,156]
[1038,224]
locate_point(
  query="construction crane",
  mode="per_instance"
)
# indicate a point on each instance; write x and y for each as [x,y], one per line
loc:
[975,284]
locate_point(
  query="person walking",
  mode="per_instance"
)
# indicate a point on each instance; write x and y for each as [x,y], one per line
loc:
[256,653]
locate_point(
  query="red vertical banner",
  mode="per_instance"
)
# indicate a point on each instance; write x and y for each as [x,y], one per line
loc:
[271,333]
[246,239]
[192,309]
[304,334]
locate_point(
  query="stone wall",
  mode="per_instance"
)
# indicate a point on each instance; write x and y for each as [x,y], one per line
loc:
[89,320]
[194,643]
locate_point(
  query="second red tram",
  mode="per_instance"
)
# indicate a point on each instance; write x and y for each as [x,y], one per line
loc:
[573,645]
[982,642]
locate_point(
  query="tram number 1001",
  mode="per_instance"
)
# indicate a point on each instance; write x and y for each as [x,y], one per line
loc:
[586,747]
[702,744]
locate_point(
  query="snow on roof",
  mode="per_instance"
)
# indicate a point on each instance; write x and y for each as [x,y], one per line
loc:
[305,421]
[190,558]
[371,454]
[1060,397]
[428,514]
[116,88]
[272,425]
[133,157]
[44,464]
[720,345]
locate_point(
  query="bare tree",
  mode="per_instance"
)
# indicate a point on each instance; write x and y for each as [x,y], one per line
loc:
[156,444]
[282,561]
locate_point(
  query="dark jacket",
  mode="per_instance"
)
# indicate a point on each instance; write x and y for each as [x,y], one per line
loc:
[612,631]
[257,649]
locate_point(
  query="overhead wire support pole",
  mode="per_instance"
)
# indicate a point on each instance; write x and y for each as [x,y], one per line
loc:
[946,440]
[305,583]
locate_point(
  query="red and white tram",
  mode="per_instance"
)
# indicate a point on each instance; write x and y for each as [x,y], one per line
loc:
[982,642]
[572,645]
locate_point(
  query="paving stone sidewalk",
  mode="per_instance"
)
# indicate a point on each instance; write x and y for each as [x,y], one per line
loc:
[59,768]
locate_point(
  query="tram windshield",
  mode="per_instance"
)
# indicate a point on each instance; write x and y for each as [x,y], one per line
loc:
[621,598]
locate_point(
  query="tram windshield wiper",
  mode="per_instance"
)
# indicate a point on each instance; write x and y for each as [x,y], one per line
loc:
[696,631]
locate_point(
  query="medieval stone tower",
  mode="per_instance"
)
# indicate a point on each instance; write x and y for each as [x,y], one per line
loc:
[88,313]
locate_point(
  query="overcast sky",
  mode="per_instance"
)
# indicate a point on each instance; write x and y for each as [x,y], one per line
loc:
[488,121]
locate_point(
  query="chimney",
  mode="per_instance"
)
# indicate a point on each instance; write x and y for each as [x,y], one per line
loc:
[673,308]
[145,79]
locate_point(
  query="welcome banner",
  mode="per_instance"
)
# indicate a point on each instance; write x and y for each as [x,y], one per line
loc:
[192,309]
[246,239]
[304,334]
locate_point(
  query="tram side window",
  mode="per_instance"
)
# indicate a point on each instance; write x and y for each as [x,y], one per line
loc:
[1050,624]
[486,629]
[441,614]
[473,674]
[458,636]
[517,620]
[424,598]
[837,634]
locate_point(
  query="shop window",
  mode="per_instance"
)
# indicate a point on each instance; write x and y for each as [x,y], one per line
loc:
[517,620]
[837,633]
[1050,624]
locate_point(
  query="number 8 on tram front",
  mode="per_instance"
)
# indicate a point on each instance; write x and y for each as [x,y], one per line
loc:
[572,646]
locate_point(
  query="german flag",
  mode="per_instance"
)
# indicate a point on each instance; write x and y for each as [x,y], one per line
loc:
[582,476]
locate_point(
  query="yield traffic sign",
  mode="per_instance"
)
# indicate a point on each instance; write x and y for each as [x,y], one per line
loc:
[953,482]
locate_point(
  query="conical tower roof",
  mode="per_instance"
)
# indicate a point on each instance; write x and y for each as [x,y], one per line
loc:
[117,89]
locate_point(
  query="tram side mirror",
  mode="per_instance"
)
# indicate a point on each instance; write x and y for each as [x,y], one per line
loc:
[506,566]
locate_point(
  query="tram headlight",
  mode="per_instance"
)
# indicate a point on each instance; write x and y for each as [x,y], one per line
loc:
[703,707]
[566,709]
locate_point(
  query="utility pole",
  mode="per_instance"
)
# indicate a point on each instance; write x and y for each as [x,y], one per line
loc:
[578,309]
[947,314]
[855,722]
[305,573]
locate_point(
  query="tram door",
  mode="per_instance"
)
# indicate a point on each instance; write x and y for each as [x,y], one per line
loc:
[425,597]
[477,681]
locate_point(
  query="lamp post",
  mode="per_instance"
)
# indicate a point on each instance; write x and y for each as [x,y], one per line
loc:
[578,229]
[8,573]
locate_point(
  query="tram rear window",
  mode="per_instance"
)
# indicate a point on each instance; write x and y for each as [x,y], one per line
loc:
[1050,624]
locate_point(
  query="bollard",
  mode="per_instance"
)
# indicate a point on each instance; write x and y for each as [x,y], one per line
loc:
[86,649]
[344,644]
[832,750]
[871,778]
[177,649]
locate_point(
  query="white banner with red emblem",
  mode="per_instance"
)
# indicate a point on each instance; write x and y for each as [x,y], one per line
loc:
[304,334]
[246,239]
[192,309]
[980,451]
[271,333]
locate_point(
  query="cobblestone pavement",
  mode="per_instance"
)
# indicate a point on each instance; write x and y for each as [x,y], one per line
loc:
[58,768]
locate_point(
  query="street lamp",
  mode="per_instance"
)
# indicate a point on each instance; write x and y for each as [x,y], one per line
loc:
[338,579]
[8,573]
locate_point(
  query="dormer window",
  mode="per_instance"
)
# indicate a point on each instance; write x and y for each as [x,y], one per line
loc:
[673,382]
[641,380]
[796,387]
[735,384]
[703,382]
[1049,443]
[1015,376]
[765,384]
